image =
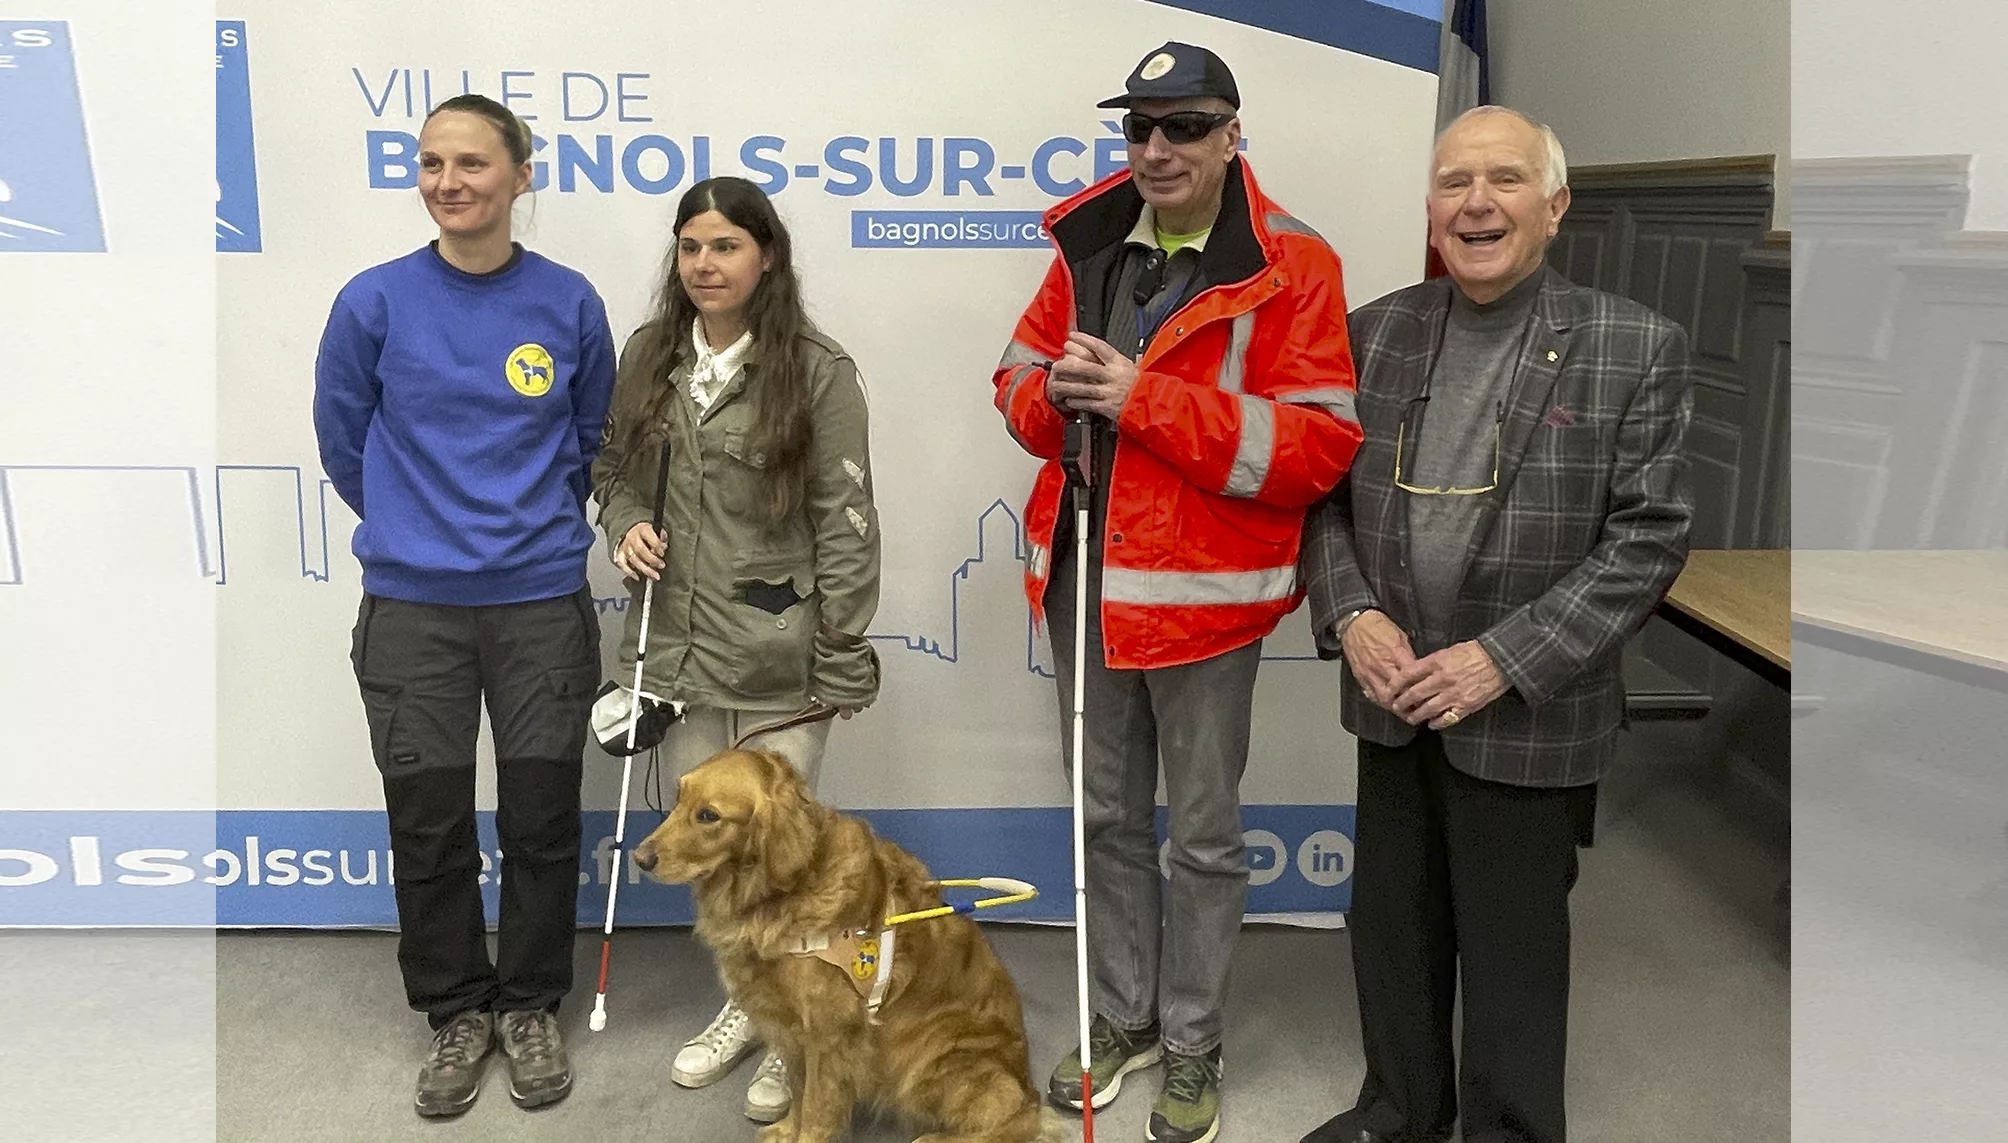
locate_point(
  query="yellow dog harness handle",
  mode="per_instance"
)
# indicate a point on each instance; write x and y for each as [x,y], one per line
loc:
[867,960]
[1013,891]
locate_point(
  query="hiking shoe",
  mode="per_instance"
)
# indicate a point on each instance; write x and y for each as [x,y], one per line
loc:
[1116,1053]
[539,1070]
[706,1057]
[451,1075]
[768,1097]
[1188,1106]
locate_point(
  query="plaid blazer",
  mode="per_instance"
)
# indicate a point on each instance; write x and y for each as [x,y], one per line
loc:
[1581,539]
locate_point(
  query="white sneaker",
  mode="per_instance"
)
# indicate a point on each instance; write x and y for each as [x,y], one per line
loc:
[768,1097]
[715,1051]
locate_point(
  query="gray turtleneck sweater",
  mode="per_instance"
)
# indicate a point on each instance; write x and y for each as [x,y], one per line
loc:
[1451,445]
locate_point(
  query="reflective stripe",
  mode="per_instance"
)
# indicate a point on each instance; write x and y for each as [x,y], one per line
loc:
[1257,445]
[1237,352]
[1338,401]
[1125,585]
[1018,353]
[1036,558]
[1023,374]
[1019,376]
[1281,223]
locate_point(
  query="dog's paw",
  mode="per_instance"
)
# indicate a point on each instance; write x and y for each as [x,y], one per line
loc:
[782,1132]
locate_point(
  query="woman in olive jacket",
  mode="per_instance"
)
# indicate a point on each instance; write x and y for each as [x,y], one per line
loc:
[766,570]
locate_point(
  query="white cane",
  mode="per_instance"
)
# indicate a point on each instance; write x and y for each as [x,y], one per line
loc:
[1080,465]
[598,1020]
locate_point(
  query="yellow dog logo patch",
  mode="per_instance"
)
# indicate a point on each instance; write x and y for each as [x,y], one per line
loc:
[528,369]
[865,964]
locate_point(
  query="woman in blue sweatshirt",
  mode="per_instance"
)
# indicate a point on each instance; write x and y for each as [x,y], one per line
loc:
[766,571]
[459,397]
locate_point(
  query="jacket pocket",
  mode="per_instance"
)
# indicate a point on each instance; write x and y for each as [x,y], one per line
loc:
[1566,471]
[774,613]
[741,480]
[738,445]
[1264,523]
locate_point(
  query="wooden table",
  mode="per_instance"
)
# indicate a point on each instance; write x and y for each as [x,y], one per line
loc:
[1738,602]
[1945,613]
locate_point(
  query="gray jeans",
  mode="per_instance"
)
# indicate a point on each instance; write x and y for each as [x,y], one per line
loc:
[704,731]
[1151,958]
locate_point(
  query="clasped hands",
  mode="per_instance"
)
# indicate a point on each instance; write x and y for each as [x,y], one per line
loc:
[1436,690]
[1091,376]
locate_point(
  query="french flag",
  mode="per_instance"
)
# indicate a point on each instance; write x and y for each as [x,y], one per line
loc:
[1463,74]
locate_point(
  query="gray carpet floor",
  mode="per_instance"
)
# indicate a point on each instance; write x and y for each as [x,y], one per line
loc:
[1680,1021]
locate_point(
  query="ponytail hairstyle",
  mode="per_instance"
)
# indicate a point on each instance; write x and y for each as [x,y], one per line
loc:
[515,133]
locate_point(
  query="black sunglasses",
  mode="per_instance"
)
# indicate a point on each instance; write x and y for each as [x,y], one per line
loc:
[1178,127]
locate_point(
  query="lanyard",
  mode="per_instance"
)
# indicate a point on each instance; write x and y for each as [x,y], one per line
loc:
[1147,321]
[1519,361]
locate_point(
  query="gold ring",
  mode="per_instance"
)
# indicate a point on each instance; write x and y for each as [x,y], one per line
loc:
[1451,717]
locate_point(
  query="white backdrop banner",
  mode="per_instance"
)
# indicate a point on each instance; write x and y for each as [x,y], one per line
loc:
[911,148]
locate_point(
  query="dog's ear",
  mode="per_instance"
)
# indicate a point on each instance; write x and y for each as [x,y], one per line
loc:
[790,826]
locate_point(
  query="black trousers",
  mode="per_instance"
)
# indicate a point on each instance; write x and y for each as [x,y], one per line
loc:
[425,670]
[1461,879]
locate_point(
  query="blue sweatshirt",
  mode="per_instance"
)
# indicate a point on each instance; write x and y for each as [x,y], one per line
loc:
[459,414]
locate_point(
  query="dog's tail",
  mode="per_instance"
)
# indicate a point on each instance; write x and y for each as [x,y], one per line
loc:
[1053,1129]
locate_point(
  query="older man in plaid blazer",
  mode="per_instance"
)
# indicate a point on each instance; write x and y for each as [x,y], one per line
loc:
[1520,505]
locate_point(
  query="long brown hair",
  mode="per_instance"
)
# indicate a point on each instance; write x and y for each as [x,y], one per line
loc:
[780,383]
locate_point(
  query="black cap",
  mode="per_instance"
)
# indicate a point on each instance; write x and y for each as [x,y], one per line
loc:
[1178,71]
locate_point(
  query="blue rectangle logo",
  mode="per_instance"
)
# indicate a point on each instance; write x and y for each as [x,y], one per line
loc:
[948,229]
[236,160]
[48,193]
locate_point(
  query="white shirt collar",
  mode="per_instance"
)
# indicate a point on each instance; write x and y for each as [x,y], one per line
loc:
[714,368]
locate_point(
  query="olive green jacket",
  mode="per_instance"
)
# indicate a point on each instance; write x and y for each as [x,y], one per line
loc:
[748,615]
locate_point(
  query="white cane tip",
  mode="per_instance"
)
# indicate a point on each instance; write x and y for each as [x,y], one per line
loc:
[598,1023]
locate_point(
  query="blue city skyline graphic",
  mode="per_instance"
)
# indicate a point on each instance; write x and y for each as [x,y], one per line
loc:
[48,190]
[315,507]
[237,223]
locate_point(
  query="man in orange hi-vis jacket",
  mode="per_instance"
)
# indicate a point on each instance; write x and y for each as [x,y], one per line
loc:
[1203,331]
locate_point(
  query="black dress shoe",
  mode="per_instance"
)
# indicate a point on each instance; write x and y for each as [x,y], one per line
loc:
[1344,1128]
[1360,1135]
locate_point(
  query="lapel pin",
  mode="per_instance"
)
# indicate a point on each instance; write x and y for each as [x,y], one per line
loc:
[1551,355]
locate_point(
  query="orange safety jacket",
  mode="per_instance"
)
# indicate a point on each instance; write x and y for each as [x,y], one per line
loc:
[1242,416]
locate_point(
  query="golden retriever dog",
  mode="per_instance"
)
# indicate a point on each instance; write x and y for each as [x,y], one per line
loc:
[769,866]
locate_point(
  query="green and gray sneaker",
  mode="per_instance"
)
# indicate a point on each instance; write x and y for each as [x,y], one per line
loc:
[1188,1108]
[1116,1054]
